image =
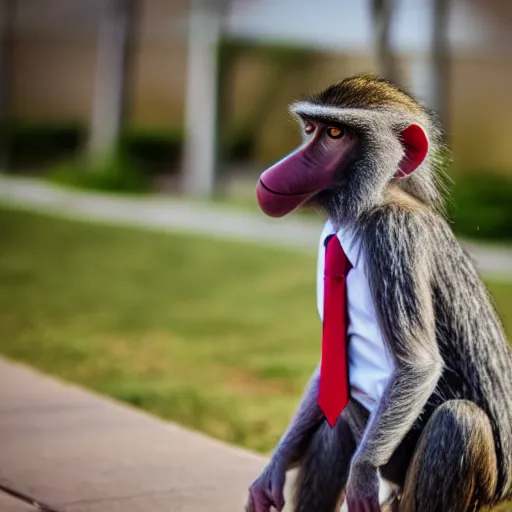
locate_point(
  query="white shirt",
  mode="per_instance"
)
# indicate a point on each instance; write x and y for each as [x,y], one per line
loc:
[370,365]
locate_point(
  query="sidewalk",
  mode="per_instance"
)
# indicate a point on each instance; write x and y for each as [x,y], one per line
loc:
[210,220]
[71,451]
[9,504]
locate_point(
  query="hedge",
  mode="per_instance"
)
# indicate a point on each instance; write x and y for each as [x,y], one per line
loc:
[40,144]
[154,151]
[480,205]
[37,144]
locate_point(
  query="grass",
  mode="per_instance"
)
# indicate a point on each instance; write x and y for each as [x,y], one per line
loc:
[218,336]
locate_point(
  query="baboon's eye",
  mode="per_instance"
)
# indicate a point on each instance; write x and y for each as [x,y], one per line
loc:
[334,132]
[309,128]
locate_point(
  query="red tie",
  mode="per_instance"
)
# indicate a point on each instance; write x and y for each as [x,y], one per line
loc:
[333,394]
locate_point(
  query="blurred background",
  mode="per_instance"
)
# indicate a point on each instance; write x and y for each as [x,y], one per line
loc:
[192,95]
[165,102]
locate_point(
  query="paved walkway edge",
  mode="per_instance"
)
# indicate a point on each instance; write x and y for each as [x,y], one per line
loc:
[75,451]
[180,215]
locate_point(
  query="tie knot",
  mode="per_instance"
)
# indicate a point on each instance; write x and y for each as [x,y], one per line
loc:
[336,261]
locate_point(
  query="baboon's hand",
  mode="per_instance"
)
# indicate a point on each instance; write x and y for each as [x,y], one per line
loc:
[267,490]
[362,493]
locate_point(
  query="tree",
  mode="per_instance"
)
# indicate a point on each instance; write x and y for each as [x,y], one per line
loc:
[430,72]
[7,23]
[112,75]
[440,59]
[203,98]
[382,15]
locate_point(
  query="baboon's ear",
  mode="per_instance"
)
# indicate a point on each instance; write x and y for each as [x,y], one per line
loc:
[415,143]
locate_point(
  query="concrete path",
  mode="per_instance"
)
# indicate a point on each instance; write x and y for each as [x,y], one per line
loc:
[64,449]
[10,504]
[180,215]
[70,451]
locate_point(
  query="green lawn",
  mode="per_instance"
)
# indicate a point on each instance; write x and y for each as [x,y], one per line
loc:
[218,336]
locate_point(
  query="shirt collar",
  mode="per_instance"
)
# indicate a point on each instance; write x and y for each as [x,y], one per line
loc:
[349,242]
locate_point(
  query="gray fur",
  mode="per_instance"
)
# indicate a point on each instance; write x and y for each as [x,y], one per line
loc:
[332,448]
[308,417]
[440,324]
[436,474]
[398,273]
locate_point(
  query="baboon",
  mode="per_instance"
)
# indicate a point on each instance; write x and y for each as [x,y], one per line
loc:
[427,404]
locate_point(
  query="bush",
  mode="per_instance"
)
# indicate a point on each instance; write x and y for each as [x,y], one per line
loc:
[238,145]
[39,144]
[112,173]
[481,206]
[153,151]
[36,144]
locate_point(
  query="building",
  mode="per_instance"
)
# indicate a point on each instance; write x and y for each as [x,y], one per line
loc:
[55,62]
